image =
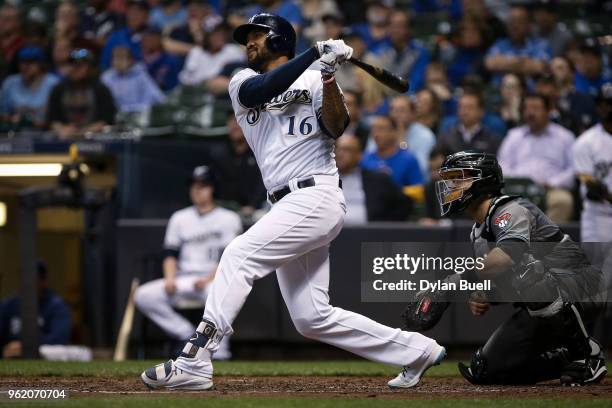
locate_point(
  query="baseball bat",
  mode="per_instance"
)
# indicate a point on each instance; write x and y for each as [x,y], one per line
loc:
[126,324]
[389,79]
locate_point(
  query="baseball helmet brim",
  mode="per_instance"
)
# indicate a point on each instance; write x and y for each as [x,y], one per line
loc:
[241,32]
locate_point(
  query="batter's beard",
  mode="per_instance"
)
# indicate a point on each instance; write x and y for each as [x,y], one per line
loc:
[262,59]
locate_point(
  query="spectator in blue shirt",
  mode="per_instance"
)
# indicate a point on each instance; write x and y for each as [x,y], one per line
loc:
[519,53]
[163,67]
[23,97]
[389,158]
[416,138]
[136,18]
[404,55]
[53,319]
[168,13]
[375,32]
[592,71]
[131,86]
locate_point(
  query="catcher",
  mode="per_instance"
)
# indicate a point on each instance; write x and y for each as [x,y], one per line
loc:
[529,260]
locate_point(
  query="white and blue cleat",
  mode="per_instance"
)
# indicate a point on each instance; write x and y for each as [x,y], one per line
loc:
[167,375]
[410,376]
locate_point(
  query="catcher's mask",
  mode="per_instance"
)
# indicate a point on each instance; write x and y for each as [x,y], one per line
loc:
[465,178]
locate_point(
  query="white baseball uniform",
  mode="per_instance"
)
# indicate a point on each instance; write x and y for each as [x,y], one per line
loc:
[592,155]
[198,240]
[294,237]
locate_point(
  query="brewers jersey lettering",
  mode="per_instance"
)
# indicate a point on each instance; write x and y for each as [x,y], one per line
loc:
[284,133]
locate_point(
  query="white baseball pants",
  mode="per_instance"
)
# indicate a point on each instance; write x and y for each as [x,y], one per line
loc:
[293,239]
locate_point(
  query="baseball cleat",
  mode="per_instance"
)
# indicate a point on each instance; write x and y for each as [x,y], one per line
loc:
[410,377]
[168,375]
[584,372]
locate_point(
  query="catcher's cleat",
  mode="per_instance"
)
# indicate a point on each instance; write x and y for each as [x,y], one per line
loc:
[410,376]
[168,375]
[466,372]
[590,370]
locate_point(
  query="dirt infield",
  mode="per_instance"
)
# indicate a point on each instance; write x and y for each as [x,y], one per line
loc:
[299,386]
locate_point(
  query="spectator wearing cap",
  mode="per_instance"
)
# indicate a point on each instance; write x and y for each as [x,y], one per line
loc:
[23,97]
[370,195]
[206,62]
[168,14]
[569,108]
[11,38]
[375,32]
[469,133]
[519,53]
[403,54]
[415,137]
[130,83]
[547,27]
[201,17]
[163,67]
[541,151]
[592,71]
[389,157]
[98,21]
[80,103]
[136,18]
[195,239]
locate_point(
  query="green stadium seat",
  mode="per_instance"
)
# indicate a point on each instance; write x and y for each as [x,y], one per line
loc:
[527,188]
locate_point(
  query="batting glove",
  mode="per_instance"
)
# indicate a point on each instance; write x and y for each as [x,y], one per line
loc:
[328,64]
[338,47]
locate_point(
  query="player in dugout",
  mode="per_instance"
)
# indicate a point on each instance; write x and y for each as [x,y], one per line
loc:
[195,238]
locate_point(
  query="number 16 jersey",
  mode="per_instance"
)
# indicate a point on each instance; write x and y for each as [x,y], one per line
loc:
[285,133]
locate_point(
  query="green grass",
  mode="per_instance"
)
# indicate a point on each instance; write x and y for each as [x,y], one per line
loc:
[26,368]
[264,402]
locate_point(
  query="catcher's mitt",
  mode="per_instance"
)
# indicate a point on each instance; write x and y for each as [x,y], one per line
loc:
[425,311]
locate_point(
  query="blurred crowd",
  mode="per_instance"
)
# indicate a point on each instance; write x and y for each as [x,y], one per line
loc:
[484,74]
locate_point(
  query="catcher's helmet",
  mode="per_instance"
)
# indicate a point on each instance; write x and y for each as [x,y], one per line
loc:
[465,177]
[281,35]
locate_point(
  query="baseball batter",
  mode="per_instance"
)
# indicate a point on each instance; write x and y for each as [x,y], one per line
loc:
[195,238]
[592,160]
[290,117]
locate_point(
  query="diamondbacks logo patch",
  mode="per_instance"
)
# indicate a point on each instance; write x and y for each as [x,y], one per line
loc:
[503,220]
